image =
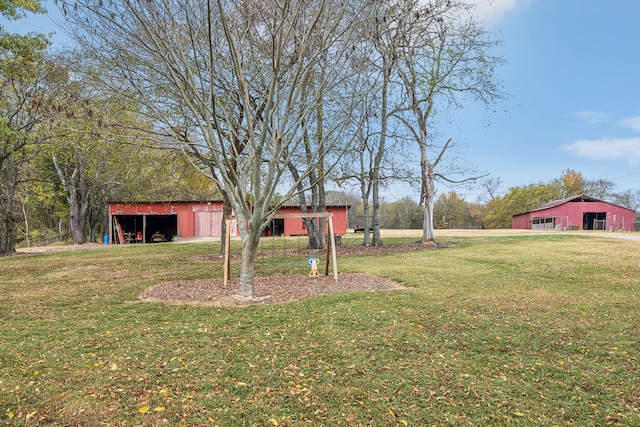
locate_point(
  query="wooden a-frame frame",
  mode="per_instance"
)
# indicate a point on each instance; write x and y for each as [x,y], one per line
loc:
[331,243]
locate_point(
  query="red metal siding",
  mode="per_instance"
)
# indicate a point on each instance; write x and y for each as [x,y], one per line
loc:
[340,218]
[185,212]
[294,226]
[186,222]
[189,225]
[521,222]
[571,214]
[141,208]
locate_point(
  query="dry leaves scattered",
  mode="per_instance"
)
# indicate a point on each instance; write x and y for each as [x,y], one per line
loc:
[276,289]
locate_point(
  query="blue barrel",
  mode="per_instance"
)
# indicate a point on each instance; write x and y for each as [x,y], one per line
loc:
[106,239]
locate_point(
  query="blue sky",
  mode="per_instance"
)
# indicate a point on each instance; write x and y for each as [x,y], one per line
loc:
[571,74]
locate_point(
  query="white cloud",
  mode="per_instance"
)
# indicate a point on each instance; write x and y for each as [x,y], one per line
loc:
[630,123]
[593,116]
[492,11]
[607,149]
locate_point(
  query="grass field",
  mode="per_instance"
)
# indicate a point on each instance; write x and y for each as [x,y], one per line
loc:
[538,329]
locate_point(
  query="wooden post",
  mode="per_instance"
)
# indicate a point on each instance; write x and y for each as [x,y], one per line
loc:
[326,265]
[333,249]
[110,229]
[227,247]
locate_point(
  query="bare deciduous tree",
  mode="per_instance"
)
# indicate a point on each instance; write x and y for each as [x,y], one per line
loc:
[227,79]
[372,160]
[443,55]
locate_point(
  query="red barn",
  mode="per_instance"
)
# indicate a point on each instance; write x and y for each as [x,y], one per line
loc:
[577,213]
[296,227]
[157,221]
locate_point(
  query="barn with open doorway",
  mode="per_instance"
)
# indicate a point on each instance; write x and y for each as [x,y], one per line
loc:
[576,213]
[148,222]
[165,221]
[297,227]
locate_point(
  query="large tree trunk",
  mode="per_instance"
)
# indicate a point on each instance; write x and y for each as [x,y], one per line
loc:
[313,233]
[377,240]
[315,226]
[250,231]
[315,241]
[76,221]
[7,234]
[7,199]
[321,223]
[366,231]
[77,198]
[428,186]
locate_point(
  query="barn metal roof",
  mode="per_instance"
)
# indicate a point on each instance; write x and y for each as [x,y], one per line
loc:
[578,198]
[147,202]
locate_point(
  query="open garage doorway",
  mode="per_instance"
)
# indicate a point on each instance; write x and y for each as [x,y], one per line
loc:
[161,228]
[594,221]
[146,228]
[275,228]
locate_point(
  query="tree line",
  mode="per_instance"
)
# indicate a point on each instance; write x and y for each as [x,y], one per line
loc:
[492,210]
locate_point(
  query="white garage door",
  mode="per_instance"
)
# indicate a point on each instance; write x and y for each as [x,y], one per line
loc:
[208,224]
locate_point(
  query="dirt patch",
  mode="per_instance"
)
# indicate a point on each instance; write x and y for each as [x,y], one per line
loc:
[267,290]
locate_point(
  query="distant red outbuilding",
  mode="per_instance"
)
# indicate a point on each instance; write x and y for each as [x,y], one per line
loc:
[577,213]
[158,221]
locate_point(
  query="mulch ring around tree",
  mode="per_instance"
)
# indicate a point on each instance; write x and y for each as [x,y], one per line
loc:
[280,289]
[267,290]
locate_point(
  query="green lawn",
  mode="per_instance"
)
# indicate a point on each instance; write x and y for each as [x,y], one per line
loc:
[511,330]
